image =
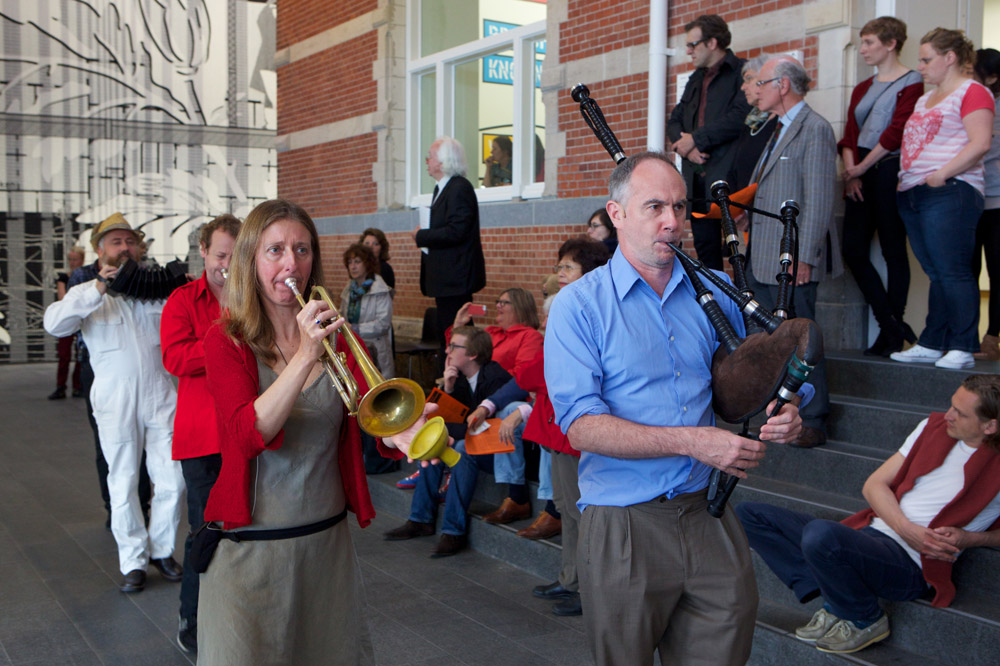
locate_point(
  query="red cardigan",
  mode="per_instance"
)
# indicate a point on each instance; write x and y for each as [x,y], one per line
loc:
[233,382]
[541,427]
[187,315]
[982,483]
[892,138]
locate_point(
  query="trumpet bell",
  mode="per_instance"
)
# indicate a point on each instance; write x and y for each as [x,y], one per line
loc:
[390,407]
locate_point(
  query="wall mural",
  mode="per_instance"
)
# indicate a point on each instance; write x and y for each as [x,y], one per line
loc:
[163,110]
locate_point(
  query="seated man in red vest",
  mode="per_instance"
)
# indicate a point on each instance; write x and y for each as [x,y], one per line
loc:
[935,497]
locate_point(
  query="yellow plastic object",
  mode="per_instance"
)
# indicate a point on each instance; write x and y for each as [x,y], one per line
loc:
[431,441]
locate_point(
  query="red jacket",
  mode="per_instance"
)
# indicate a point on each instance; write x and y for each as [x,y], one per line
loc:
[513,347]
[982,483]
[541,427]
[187,315]
[892,138]
[233,381]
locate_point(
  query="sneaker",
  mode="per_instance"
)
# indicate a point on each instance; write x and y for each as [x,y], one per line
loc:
[916,354]
[408,482]
[187,635]
[844,636]
[956,360]
[818,626]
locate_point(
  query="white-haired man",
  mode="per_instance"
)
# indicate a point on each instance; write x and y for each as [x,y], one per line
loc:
[453,268]
[134,402]
[799,163]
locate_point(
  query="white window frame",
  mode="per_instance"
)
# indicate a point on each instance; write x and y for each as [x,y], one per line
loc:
[520,40]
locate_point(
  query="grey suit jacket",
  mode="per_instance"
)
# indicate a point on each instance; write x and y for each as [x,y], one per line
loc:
[803,167]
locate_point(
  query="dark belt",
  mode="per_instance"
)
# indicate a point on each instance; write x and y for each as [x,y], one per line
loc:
[283,533]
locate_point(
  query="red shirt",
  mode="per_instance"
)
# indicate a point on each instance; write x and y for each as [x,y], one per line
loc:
[233,380]
[187,316]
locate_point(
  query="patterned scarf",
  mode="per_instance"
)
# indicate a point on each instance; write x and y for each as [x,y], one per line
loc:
[354,304]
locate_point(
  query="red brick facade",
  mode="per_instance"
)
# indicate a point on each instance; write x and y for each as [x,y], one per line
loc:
[301,19]
[332,178]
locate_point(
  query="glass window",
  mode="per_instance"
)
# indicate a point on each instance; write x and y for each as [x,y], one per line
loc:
[428,132]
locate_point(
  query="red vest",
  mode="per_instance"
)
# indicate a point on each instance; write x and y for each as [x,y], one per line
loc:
[982,483]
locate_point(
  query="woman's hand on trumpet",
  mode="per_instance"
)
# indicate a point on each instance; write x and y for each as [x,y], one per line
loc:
[402,440]
[312,331]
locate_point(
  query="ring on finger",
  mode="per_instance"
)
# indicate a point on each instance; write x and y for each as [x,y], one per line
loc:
[319,323]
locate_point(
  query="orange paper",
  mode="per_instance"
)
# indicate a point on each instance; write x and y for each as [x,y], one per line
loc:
[449,409]
[487,441]
[744,196]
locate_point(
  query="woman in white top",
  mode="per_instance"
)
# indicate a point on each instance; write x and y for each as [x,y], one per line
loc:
[940,196]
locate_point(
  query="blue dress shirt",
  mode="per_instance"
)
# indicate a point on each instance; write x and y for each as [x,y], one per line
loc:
[612,346]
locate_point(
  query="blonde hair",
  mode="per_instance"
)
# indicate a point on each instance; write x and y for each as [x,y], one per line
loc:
[245,319]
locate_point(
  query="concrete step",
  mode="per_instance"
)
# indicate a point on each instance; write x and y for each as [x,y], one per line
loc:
[875,423]
[916,384]
[835,467]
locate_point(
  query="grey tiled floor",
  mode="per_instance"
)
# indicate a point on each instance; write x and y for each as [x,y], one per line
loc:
[60,604]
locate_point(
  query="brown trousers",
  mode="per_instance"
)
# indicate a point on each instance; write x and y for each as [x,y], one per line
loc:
[664,575]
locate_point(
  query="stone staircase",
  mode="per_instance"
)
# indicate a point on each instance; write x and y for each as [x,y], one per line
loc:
[875,404]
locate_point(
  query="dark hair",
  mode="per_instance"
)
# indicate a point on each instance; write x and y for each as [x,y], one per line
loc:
[886,28]
[226,222]
[944,40]
[602,215]
[988,64]
[987,389]
[524,306]
[712,27]
[621,177]
[383,255]
[585,251]
[366,255]
[478,343]
[505,145]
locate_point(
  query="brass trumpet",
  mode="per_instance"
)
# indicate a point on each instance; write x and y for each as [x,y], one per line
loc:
[391,405]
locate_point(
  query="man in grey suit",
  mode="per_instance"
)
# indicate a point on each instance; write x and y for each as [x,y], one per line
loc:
[799,163]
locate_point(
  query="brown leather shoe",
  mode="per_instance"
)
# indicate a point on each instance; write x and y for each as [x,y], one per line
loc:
[134,581]
[989,349]
[508,512]
[809,438]
[545,527]
[450,544]
[410,530]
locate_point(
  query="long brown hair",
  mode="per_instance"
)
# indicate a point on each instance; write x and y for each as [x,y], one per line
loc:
[246,319]
[524,306]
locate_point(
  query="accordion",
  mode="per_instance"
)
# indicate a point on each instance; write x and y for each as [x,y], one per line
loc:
[148,283]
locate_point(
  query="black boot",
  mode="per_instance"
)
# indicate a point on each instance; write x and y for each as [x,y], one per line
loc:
[887,342]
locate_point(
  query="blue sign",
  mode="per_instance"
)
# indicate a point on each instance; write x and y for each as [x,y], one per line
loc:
[500,69]
[491,28]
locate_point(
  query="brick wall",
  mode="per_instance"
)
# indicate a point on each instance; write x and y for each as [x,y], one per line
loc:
[682,13]
[600,26]
[332,178]
[328,86]
[300,19]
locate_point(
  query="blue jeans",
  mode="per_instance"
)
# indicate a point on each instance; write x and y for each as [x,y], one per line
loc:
[544,474]
[509,467]
[850,568]
[941,224]
[464,477]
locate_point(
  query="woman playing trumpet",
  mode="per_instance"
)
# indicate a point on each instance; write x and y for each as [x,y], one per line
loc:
[291,457]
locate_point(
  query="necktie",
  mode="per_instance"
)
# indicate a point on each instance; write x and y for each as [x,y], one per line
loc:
[434,195]
[767,151]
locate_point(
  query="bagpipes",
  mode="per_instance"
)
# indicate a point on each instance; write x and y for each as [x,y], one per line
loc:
[772,363]
[148,283]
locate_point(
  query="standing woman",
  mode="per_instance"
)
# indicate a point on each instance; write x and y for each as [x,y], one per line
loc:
[367,303]
[375,239]
[987,72]
[291,458]
[873,136]
[940,196]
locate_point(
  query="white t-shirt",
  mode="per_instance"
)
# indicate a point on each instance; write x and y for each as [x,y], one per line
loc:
[934,491]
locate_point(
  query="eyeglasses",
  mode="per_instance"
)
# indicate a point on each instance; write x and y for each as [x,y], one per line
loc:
[563,267]
[595,225]
[693,44]
[503,303]
[452,345]
[761,83]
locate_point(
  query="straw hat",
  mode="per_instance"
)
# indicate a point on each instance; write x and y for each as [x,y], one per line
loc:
[116,221]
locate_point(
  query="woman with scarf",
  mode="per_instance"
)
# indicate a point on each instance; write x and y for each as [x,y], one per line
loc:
[366,303]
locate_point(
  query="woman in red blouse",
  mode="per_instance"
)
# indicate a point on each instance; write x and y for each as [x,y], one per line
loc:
[291,458]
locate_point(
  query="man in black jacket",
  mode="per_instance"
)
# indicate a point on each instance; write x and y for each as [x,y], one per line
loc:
[452,269]
[470,376]
[705,124]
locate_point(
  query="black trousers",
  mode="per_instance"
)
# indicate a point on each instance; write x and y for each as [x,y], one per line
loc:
[200,475]
[878,213]
[145,492]
[707,233]
[988,239]
[447,308]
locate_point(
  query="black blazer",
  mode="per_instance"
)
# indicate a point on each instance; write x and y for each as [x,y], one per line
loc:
[491,378]
[454,265]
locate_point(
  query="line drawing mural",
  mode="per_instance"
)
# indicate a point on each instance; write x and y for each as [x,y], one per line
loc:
[163,110]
